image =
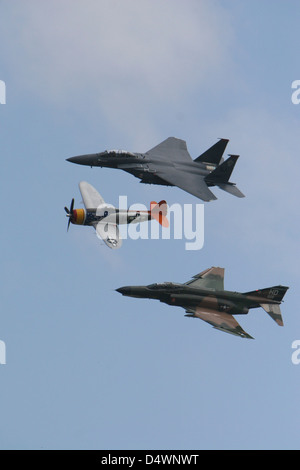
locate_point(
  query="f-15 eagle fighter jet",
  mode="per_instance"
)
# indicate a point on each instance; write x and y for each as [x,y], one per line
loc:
[204,297]
[105,218]
[170,164]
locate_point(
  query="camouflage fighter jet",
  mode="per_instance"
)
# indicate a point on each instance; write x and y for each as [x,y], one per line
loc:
[204,297]
[170,164]
[105,218]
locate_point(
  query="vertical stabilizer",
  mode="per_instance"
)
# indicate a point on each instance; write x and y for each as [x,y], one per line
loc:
[214,154]
[223,172]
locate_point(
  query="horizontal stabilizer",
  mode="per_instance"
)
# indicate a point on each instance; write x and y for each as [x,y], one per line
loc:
[223,172]
[232,189]
[214,154]
[274,311]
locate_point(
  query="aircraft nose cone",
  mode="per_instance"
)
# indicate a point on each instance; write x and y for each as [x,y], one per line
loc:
[134,291]
[83,159]
[72,159]
[124,290]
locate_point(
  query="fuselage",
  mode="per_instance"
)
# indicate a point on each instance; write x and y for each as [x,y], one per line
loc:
[140,165]
[109,214]
[185,296]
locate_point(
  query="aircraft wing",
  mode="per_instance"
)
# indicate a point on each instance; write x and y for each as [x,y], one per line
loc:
[212,278]
[171,150]
[90,196]
[109,233]
[219,320]
[188,181]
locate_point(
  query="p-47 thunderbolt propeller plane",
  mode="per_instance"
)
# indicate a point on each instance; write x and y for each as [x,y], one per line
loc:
[170,164]
[105,218]
[204,297]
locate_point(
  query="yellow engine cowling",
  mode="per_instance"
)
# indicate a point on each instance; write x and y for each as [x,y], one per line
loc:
[78,217]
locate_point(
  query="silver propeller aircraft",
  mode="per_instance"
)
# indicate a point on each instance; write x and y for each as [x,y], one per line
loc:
[170,164]
[105,218]
[204,297]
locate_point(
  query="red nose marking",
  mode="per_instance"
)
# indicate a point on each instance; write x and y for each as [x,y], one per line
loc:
[74,216]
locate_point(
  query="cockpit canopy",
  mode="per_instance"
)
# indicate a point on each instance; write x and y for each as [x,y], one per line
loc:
[164,285]
[118,152]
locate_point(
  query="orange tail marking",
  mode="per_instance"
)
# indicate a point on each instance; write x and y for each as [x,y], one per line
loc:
[159,212]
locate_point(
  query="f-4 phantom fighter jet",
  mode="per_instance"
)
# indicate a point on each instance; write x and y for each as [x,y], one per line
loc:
[170,164]
[105,218]
[204,297]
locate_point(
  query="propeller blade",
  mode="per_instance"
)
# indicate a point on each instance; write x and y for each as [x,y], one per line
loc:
[69,213]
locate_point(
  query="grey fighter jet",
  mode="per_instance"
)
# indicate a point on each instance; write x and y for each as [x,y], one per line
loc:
[204,297]
[170,164]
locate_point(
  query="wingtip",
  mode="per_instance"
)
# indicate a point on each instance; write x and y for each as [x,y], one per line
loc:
[247,336]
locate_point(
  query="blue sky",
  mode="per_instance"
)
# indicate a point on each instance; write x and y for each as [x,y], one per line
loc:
[87,368]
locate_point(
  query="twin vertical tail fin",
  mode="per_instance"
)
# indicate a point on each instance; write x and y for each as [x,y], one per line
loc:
[158,211]
[214,154]
[223,172]
[220,176]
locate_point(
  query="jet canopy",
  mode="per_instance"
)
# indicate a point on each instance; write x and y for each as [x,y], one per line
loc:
[164,285]
[120,152]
